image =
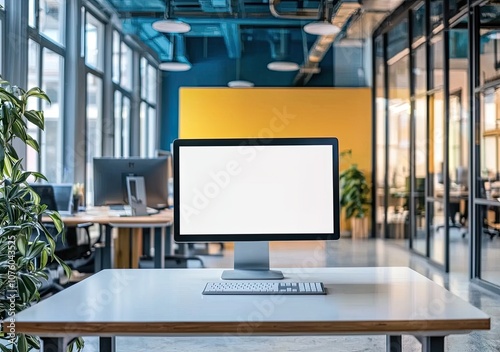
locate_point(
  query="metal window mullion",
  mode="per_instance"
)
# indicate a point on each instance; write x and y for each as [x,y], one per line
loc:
[40,84]
[427,118]
[374,138]
[386,135]
[412,125]
[475,226]
[446,137]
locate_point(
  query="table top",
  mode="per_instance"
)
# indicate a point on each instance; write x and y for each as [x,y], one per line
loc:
[101,215]
[160,302]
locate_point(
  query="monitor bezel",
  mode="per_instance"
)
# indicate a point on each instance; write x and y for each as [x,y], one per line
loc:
[331,141]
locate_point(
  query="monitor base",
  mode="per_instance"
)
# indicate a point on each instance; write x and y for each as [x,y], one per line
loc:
[239,274]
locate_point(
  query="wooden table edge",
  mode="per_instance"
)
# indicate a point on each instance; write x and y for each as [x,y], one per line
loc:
[420,327]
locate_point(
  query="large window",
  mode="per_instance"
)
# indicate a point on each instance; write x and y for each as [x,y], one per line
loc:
[148,119]
[48,17]
[94,60]
[94,127]
[46,60]
[94,42]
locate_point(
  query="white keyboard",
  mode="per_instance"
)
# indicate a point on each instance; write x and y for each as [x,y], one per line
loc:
[264,288]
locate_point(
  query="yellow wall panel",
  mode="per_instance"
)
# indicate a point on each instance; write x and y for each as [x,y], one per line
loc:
[274,112]
[344,113]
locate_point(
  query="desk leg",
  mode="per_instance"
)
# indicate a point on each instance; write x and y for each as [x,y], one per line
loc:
[54,344]
[108,248]
[107,344]
[432,343]
[159,248]
[394,343]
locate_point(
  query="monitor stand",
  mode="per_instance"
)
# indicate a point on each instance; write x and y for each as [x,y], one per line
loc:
[251,262]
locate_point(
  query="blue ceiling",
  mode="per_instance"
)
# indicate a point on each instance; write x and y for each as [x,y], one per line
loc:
[233,20]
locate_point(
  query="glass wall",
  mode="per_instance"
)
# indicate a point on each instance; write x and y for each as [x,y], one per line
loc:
[488,173]
[452,206]
[398,129]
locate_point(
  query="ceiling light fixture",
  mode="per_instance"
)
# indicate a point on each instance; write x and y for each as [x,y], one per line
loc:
[240,84]
[494,35]
[321,28]
[283,66]
[171,26]
[174,66]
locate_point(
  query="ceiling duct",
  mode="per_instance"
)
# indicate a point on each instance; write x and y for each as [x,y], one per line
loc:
[343,14]
[298,14]
[278,39]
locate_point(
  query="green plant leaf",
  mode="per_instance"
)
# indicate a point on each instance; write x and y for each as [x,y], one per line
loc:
[22,344]
[35,117]
[44,257]
[21,244]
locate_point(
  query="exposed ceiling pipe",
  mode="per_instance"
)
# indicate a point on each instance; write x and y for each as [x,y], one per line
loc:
[299,14]
[343,14]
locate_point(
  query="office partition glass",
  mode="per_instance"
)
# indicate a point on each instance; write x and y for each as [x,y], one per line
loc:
[436,149]
[436,13]
[489,244]
[490,55]
[380,130]
[419,231]
[399,150]
[489,144]
[437,59]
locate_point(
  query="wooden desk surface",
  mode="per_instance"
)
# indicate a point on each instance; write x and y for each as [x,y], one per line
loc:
[104,216]
[160,302]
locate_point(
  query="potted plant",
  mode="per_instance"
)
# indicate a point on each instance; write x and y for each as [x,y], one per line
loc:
[26,245]
[355,197]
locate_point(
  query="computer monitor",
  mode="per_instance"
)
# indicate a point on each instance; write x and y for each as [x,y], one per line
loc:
[252,191]
[170,187]
[46,194]
[63,193]
[462,176]
[110,180]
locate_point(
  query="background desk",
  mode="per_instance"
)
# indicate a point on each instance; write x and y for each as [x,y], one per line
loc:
[129,234]
[387,301]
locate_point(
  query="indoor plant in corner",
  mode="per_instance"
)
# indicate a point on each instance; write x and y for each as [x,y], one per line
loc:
[355,197]
[26,245]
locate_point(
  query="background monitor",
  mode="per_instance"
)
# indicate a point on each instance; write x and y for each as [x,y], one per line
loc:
[252,191]
[110,176]
[462,176]
[46,194]
[63,193]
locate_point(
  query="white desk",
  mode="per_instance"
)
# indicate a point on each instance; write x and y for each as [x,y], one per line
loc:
[387,301]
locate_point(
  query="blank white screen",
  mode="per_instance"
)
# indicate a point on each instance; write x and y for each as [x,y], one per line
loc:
[256,190]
